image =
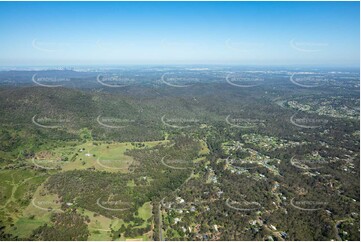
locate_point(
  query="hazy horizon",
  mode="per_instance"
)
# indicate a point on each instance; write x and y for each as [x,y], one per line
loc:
[180,33]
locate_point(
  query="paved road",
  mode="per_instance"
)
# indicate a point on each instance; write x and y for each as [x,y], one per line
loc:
[336,228]
[160,222]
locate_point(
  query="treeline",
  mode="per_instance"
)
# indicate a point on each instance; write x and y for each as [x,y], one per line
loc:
[64,226]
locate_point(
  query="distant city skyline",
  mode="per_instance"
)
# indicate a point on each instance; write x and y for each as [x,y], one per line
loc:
[168,33]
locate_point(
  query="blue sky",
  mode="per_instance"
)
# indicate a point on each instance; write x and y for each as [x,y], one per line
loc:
[256,33]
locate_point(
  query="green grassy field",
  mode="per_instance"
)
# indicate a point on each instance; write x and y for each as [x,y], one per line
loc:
[204,148]
[17,188]
[37,213]
[145,212]
[100,156]
[25,204]
[100,226]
